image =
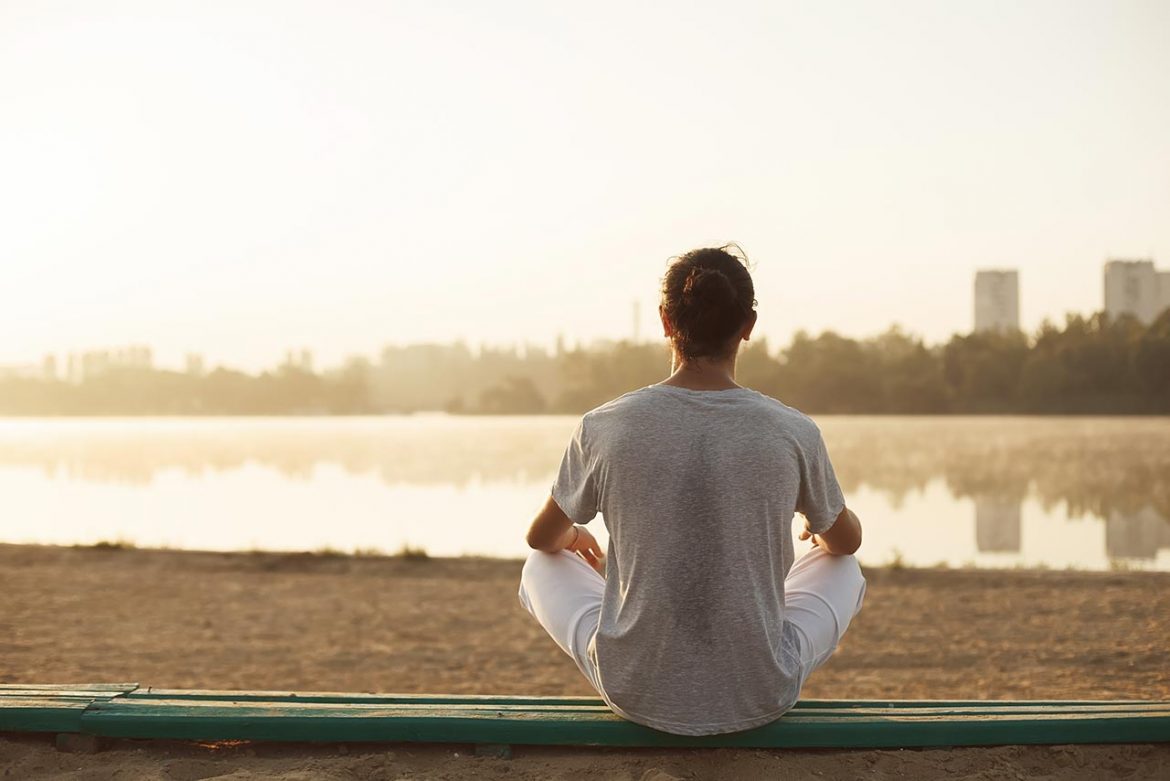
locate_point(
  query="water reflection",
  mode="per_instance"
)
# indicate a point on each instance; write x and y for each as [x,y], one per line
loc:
[1010,476]
[1094,465]
[415,450]
[997,524]
[1136,535]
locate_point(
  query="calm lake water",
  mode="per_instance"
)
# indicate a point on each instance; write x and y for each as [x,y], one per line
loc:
[985,492]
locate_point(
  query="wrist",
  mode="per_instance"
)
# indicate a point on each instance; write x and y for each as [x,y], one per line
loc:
[576,530]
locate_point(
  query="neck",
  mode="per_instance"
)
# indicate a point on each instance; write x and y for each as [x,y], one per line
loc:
[703,373]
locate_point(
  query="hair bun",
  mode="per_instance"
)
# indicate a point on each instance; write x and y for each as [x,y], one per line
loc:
[708,285]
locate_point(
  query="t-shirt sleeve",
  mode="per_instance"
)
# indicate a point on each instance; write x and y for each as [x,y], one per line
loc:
[820,500]
[575,486]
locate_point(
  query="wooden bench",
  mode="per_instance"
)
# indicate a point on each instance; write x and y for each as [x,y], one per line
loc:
[130,711]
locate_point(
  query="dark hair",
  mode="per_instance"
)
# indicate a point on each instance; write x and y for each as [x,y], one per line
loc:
[708,297]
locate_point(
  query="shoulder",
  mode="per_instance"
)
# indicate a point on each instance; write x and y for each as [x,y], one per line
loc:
[790,420]
[617,409]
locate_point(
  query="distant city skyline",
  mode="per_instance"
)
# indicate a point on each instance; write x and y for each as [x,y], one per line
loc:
[243,178]
[1130,287]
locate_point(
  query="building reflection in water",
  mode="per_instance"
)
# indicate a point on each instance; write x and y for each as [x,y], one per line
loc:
[997,524]
[1136,535]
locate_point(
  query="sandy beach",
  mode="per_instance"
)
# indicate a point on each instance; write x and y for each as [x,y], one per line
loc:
[387,624]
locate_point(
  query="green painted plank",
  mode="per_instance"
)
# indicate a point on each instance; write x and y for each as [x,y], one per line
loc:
[493,700]
[292,711]
[42,714]
[121,710]
[319,722]
[80,687]
[348,697]
[93,694]
[961,703]
[294,707]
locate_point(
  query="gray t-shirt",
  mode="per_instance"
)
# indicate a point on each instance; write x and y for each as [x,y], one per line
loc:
[697,490]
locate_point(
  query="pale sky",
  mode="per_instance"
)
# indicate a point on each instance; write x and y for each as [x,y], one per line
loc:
[238,178]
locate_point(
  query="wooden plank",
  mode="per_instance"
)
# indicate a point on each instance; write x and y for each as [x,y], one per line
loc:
[324,722]
[350,697]
[79,687]
[42,714]
[489,700]
[59,692]
[959,703]
[293,707]
[123,710]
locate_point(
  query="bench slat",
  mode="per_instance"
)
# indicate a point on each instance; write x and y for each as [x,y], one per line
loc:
[317,722]
[493,699]
[113,688]
[61,692]
[306,705]
[42,714]
[125,710]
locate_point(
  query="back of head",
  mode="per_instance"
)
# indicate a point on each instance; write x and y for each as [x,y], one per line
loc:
[708,296]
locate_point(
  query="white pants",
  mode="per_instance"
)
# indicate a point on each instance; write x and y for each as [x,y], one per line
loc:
[822,594]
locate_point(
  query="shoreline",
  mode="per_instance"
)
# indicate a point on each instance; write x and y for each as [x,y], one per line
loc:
[420,554]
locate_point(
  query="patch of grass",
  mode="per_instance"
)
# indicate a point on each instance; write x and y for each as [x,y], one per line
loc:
[411,553]
[1120,565]
[119,544]
[896,561]
[407,551]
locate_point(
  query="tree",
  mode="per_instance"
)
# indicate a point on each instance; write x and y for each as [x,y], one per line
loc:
[514,396]
[1152,362]
[982,370]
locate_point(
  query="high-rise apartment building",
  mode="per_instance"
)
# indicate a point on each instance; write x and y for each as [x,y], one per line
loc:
[997,300]
[1135,287]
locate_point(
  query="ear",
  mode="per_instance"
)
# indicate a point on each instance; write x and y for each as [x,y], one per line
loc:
[747,329]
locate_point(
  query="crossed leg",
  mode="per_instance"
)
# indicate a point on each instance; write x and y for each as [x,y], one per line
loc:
[822,594]
[564,594]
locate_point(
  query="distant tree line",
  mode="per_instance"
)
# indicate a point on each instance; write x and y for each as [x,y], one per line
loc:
[1090,365]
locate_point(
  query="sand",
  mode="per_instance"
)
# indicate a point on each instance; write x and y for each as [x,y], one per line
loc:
[337,623]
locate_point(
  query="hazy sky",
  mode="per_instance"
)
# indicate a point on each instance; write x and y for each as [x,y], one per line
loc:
[237,178]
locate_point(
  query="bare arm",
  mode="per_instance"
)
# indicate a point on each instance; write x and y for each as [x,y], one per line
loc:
[840,539]
[552,531]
